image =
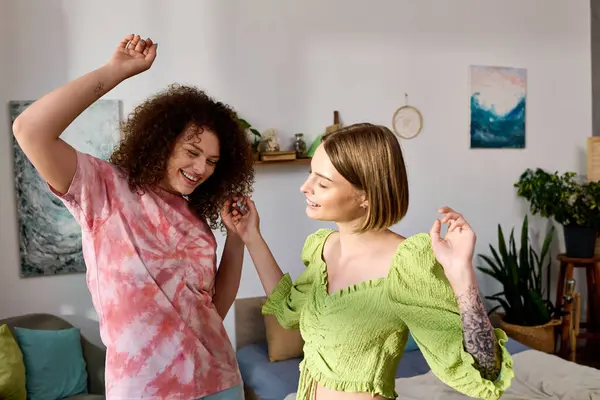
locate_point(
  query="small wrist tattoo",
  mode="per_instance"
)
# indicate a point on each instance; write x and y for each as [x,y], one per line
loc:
[99,89]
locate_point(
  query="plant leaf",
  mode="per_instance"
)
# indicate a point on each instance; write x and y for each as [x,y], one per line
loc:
[492,264]
[501,243]
[491,273]
[495,254]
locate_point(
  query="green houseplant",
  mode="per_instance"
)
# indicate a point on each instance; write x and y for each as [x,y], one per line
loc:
[529,315]
[255,134]
[571,202]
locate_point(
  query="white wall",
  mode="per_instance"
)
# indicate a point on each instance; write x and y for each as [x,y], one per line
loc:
[288,65]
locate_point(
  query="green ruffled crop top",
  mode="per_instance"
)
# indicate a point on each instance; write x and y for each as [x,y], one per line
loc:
[354,338]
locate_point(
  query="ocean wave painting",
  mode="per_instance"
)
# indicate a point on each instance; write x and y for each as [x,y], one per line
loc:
[49,236]
[498,105]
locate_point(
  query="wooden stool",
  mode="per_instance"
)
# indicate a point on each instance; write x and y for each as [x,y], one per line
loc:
[592,268]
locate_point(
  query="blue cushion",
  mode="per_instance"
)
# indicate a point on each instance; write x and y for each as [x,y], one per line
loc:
[268,380]
[54,363]
[411,345]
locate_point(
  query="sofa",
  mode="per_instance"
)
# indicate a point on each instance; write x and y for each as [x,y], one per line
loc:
[94,356]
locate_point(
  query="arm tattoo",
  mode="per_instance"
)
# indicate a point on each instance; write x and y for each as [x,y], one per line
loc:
[99,89]
[478,332]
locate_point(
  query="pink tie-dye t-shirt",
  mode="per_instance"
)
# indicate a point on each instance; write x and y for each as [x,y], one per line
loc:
[151,267]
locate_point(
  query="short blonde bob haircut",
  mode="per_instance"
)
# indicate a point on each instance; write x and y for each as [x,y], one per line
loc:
[370,158]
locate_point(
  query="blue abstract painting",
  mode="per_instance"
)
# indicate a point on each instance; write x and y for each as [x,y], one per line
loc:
[49,236]
[498,105]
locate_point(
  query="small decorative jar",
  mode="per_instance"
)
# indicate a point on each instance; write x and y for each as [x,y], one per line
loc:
[299,145]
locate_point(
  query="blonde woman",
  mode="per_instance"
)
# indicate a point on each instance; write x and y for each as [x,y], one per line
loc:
[365,287]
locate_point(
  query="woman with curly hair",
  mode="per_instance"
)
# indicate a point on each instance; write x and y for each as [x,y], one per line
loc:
[146,219]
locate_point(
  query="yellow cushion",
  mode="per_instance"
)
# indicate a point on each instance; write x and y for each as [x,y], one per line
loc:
[12,367]
[283,344]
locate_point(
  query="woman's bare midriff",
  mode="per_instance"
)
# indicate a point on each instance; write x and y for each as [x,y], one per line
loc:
[327,394]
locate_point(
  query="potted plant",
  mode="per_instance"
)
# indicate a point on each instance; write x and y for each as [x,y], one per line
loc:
[529,316]
[571,202]
[256,136]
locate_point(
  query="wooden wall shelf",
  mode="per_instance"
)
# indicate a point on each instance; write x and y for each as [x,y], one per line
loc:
[299,161]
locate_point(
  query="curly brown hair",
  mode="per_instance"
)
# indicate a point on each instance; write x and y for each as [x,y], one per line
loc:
[149,134]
